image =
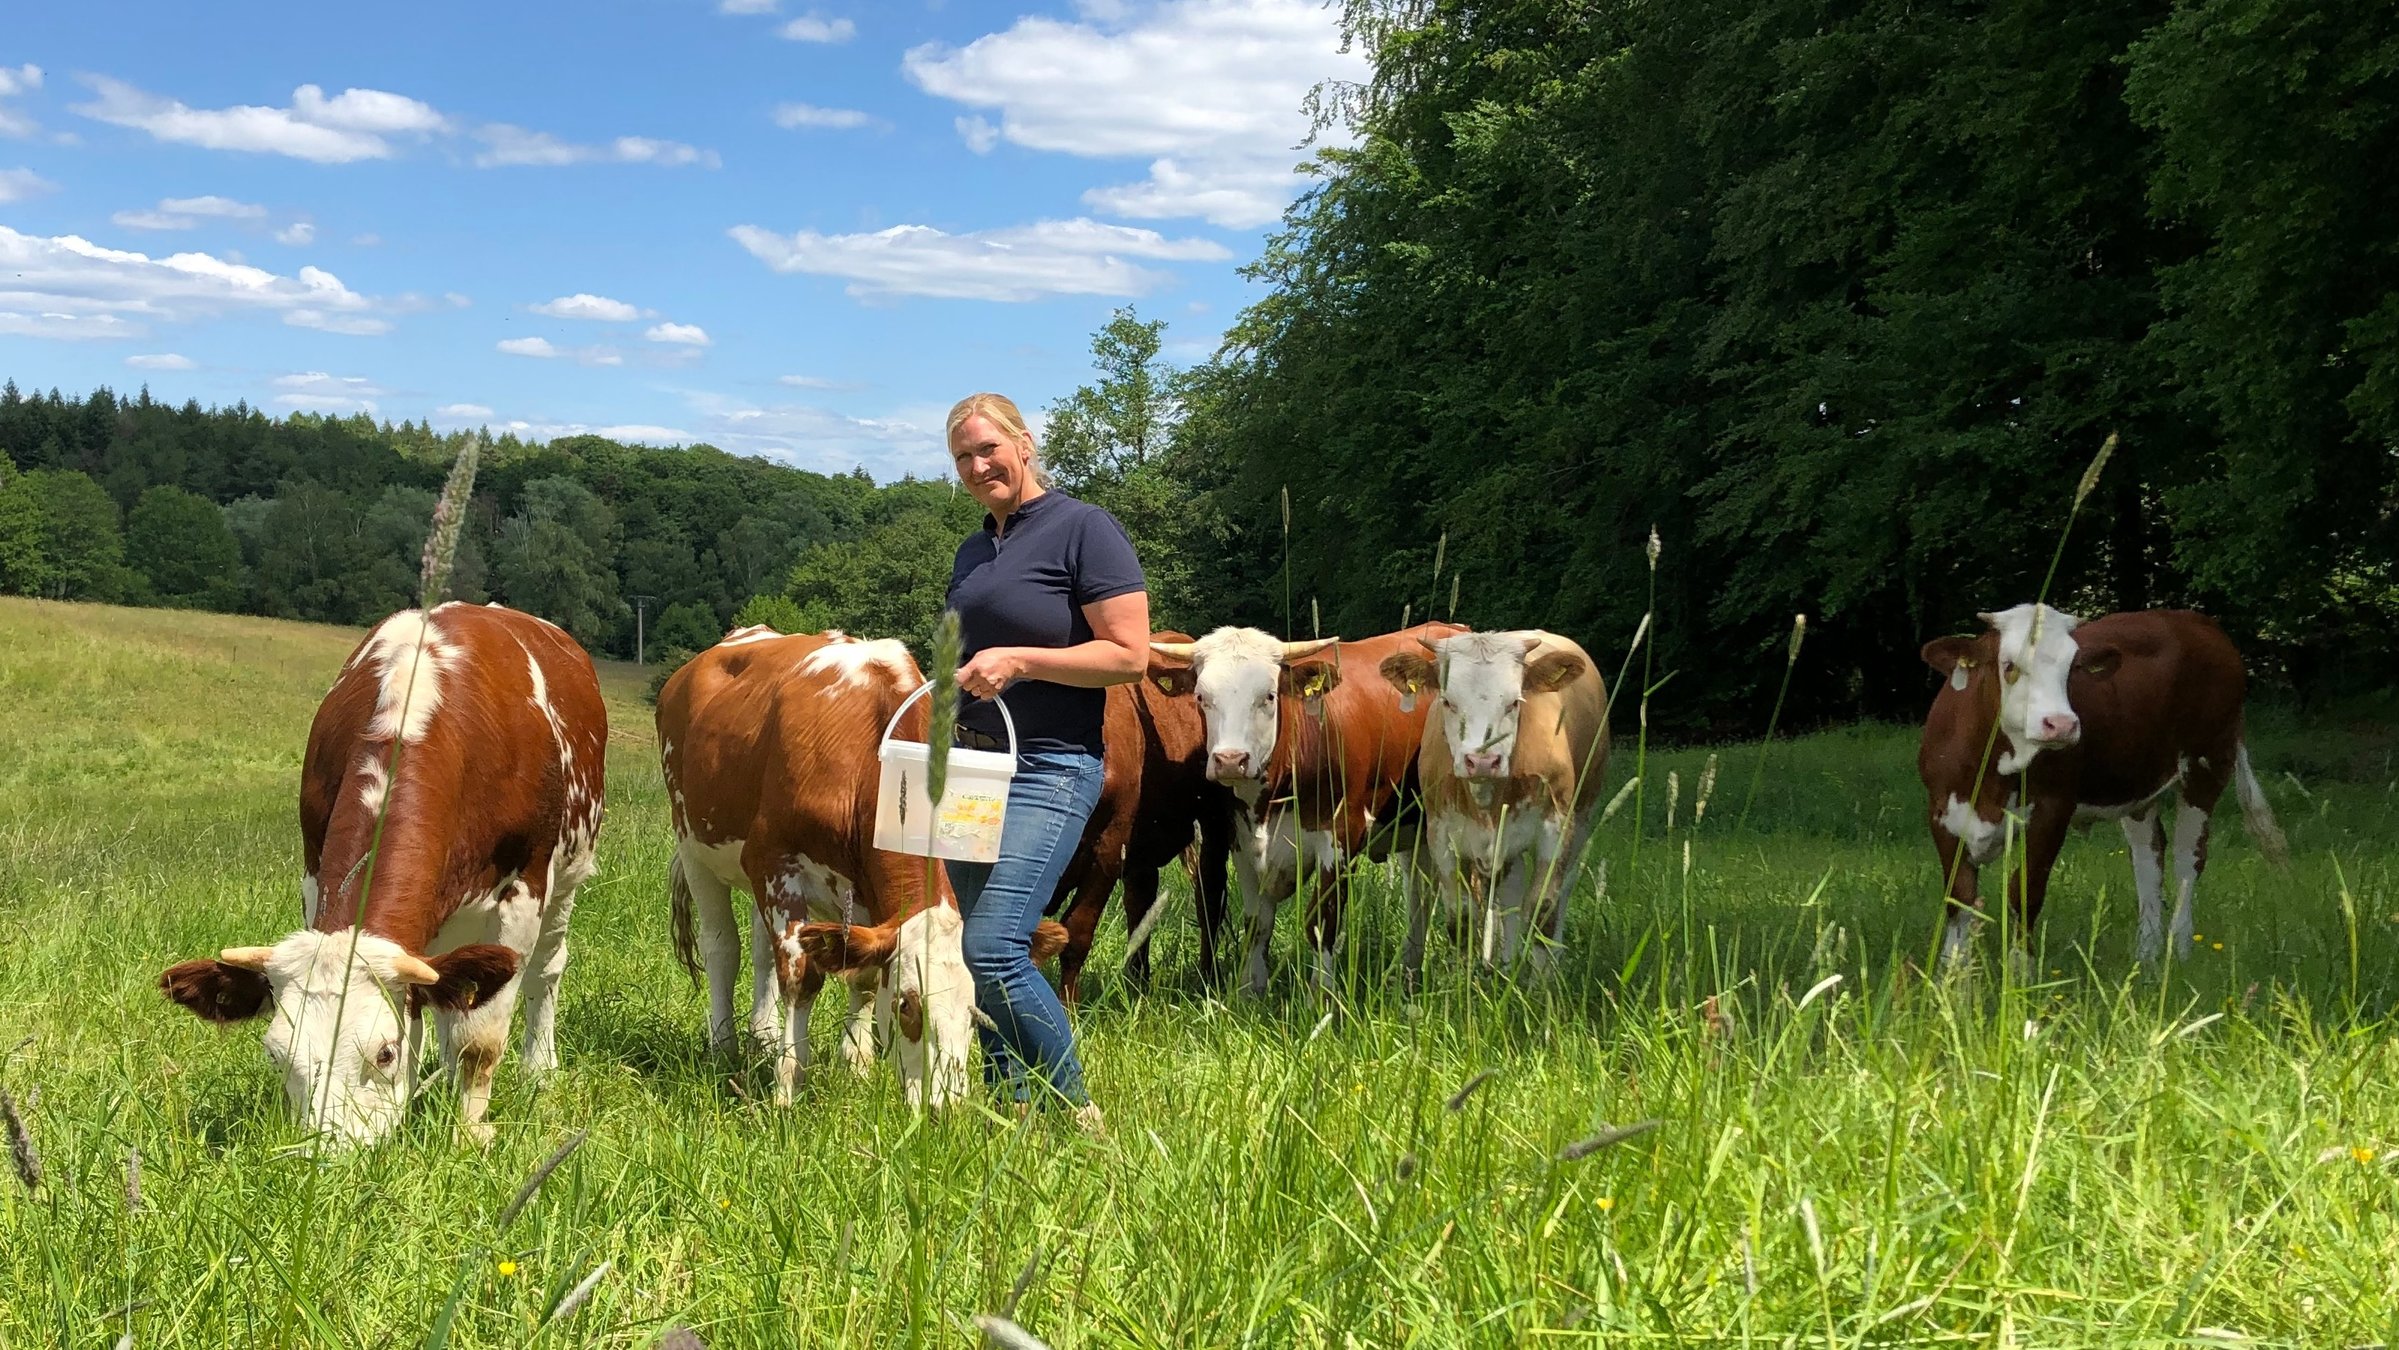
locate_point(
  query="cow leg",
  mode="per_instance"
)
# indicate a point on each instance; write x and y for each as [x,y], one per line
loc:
[800,981]
[858,1029]
[2147,844]
[2029,886]
[1082,929]
[766,984]
[1415,890]
[2190,859]
[1141,895]
[719,943]
[1332,894]
[543,970]
[1512,889]
[1208,897]
[1964,896]
[1264,874]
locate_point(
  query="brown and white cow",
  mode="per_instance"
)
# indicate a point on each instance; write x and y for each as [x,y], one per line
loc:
[2085,720]
[768,744]
[1512,764]
[473,737]
[1315,763]
[1156,800]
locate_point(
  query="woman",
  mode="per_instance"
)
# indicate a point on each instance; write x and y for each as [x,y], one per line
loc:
[1052,609]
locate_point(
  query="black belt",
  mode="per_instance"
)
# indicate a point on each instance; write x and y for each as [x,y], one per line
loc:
[978,740]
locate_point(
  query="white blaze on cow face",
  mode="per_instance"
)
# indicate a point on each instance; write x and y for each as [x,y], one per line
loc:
[1241,676]
[337,1032]
[2036,650]
[926,1007]
[1481,677]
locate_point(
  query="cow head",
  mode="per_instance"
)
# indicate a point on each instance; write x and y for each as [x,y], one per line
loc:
[1481,680]
[924,994]
[2030,650]
[1241,676]
[341,1005]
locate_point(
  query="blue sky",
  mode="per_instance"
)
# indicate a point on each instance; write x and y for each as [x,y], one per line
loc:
[783,227]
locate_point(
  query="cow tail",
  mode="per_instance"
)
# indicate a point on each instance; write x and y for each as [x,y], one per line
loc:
[678,889]
[2256,812]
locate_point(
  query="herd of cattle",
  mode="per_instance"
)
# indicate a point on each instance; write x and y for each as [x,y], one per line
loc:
[452,790]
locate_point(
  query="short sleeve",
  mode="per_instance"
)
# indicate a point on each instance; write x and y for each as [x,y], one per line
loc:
[1105,565]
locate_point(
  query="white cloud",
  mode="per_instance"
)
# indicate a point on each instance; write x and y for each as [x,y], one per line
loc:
[67,286]
[793,116]
[547,350]
[317,391]
[455,301]
[583,305]
[151,220]
[979,135]
[819,438]
[298,234]
[816,382]
[682,334]
[745,6]
[509,145]
[810,28]
[14,81]
[632,432]
[1209,91]
[162,361]
[462,411]
[1023,262]
[353,125]
[18,185]
[214,207]
[368,240]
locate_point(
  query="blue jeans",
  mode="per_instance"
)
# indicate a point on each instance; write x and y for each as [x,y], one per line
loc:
[1049,801]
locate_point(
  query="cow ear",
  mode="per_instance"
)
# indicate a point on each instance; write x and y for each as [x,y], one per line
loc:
[1552,671]
[838,947]
[1410,674]
[1311,679]
[469,977]
[215,991]
[909,1010]
[2098,662]
[1948,654]
[1172,679]
[1049,939]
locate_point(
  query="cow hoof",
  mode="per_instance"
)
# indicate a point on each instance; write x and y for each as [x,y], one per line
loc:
[479,1133]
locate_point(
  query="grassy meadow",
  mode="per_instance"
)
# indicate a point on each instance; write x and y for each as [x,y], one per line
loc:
[2091,1157]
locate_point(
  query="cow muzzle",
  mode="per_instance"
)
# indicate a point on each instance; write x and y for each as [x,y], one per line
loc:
[2057,731]
[1227,766]
[1483,764]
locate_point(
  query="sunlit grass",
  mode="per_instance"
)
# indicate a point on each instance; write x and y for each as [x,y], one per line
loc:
[2087,1158]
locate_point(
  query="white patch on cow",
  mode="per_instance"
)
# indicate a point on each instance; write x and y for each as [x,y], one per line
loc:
[2190,839]
[2090,812]
[312,896]
[2148,882]
[412,658]
[858,1032]
[850,664]
[1266,861]
[1982,839]
[1957,941]
[929,961]
[336,1033]
[2036,651]
[1504,865]
[1237,675]
[756,632]
[372,785]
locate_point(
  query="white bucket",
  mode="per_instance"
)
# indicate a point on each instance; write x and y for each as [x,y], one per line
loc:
[974,802]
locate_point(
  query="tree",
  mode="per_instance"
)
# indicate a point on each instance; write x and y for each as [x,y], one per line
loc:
[180,544]
[891,582]
[23,568]
[81,547]
[687,625]
[552,559]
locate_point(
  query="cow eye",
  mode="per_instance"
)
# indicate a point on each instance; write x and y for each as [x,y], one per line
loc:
[387,1056]
[2009,672]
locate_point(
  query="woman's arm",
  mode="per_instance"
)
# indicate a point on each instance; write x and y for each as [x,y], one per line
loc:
[1118,652]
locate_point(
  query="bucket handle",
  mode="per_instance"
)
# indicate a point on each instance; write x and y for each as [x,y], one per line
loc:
[892,727]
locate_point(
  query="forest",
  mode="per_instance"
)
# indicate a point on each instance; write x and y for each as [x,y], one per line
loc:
[1840,299]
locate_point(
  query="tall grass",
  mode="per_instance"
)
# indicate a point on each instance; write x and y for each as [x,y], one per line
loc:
[1869,1160]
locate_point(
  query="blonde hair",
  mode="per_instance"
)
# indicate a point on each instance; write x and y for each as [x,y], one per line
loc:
[1004,414]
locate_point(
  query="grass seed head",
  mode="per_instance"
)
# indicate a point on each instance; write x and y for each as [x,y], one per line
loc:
[20,1143]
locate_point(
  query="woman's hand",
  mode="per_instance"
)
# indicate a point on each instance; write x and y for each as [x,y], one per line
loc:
[989,671]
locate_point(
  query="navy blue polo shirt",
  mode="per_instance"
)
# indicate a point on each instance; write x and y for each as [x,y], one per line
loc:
[1027,588]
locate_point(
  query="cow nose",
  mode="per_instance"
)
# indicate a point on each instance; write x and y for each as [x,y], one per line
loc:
[2060,727]
[1229,763]
[1482,764]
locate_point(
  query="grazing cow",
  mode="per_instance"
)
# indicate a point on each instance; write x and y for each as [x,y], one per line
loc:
[464,750]
[768,744]
[2088,720]
[1512,764]
[1322,770]
[1157,794]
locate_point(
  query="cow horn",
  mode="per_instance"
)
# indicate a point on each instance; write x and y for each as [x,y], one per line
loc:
[1296,651]
[1175,651]
[248,958]
[413,970]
